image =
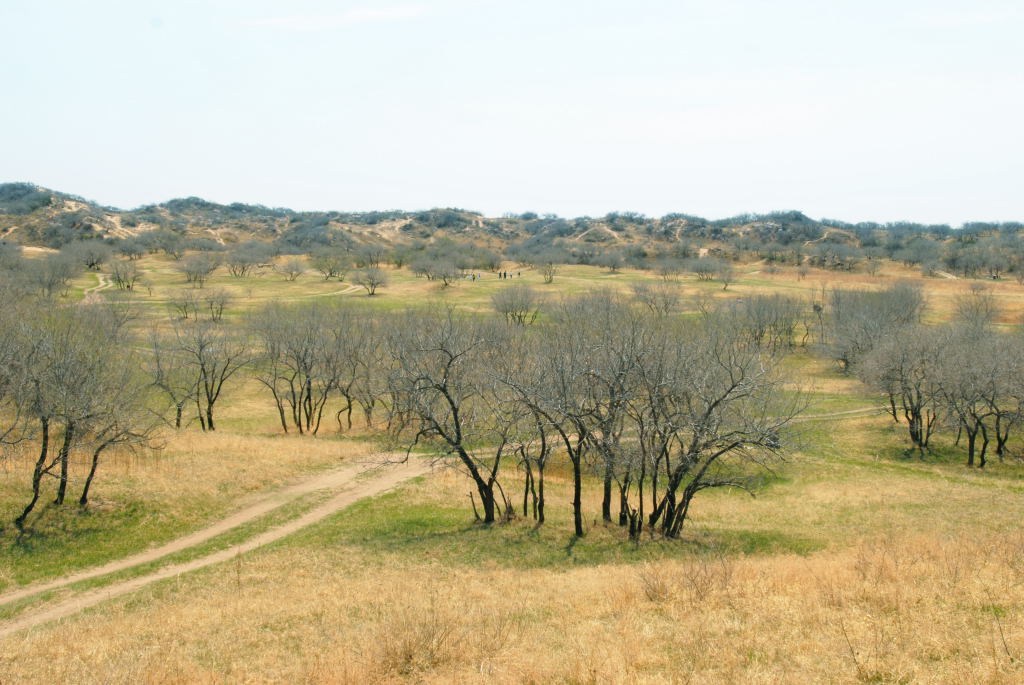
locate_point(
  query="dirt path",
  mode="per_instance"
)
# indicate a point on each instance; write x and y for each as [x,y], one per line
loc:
[834,415]
[104,283]
[376,482]
[344,291]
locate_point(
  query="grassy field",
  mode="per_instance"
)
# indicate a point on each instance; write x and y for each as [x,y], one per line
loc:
[856,562]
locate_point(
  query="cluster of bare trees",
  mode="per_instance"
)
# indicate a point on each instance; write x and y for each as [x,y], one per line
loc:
[963,376]
[858,319]
[306,354]
[956,377]
[659,409]
[191,366]
[70,384]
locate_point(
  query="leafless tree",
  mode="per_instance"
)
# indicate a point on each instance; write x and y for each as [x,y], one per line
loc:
[860,318]
[292,268]
[370,278]
[300,359]
[768,321]
[331,263]
[91,254]
[976,308]
[442,383]
[74,364]
[216,301]
[662,299]
[726,410]
[170,373]
[243,259]
[184,304]
[906,367]
[198,267]
[726,274]
[213,355]
[669,268]
[704,268]
[125,273]
[126,417]
[53,274]
[518,304]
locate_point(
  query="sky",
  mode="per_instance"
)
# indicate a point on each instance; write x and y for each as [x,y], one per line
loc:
[859,110]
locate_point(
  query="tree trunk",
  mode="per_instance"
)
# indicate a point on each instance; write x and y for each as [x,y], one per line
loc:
[487,501]
[984,447]
[606,497]
[538,503]
[84,499]
[971,436]
[624,499]
[577,495]
[65,450]
[37,473]
[527,486]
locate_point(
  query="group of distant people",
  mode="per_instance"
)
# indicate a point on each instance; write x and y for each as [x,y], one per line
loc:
[504,275]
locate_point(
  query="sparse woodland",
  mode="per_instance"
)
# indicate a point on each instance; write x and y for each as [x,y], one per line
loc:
[622,401]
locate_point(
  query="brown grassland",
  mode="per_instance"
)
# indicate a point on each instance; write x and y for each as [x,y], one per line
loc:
[854,563]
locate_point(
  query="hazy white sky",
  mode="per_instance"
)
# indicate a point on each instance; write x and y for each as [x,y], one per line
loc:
[849,109]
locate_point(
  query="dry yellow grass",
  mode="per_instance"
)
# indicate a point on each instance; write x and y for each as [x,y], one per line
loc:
[897,609]
[144,498]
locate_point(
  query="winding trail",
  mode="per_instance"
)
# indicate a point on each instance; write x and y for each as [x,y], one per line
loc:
[104,283]
[377,481]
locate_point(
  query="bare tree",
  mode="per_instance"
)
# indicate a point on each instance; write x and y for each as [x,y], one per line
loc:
[184,304]
[726,274]
[669,268]
[292,268]
[170,373]
[725,408]
[125,417]
[662,299]
[213,355]
[125,274]
[370,278]
[860,318]
[519,304]
[768,321]
[551,383]
[977,308]
[704,268]
[74,364]
[216,301]
[331,263]
[452,403]
[301,357]
[244,258]
[91,254]
[53,274]
[198,267]
[906,367]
